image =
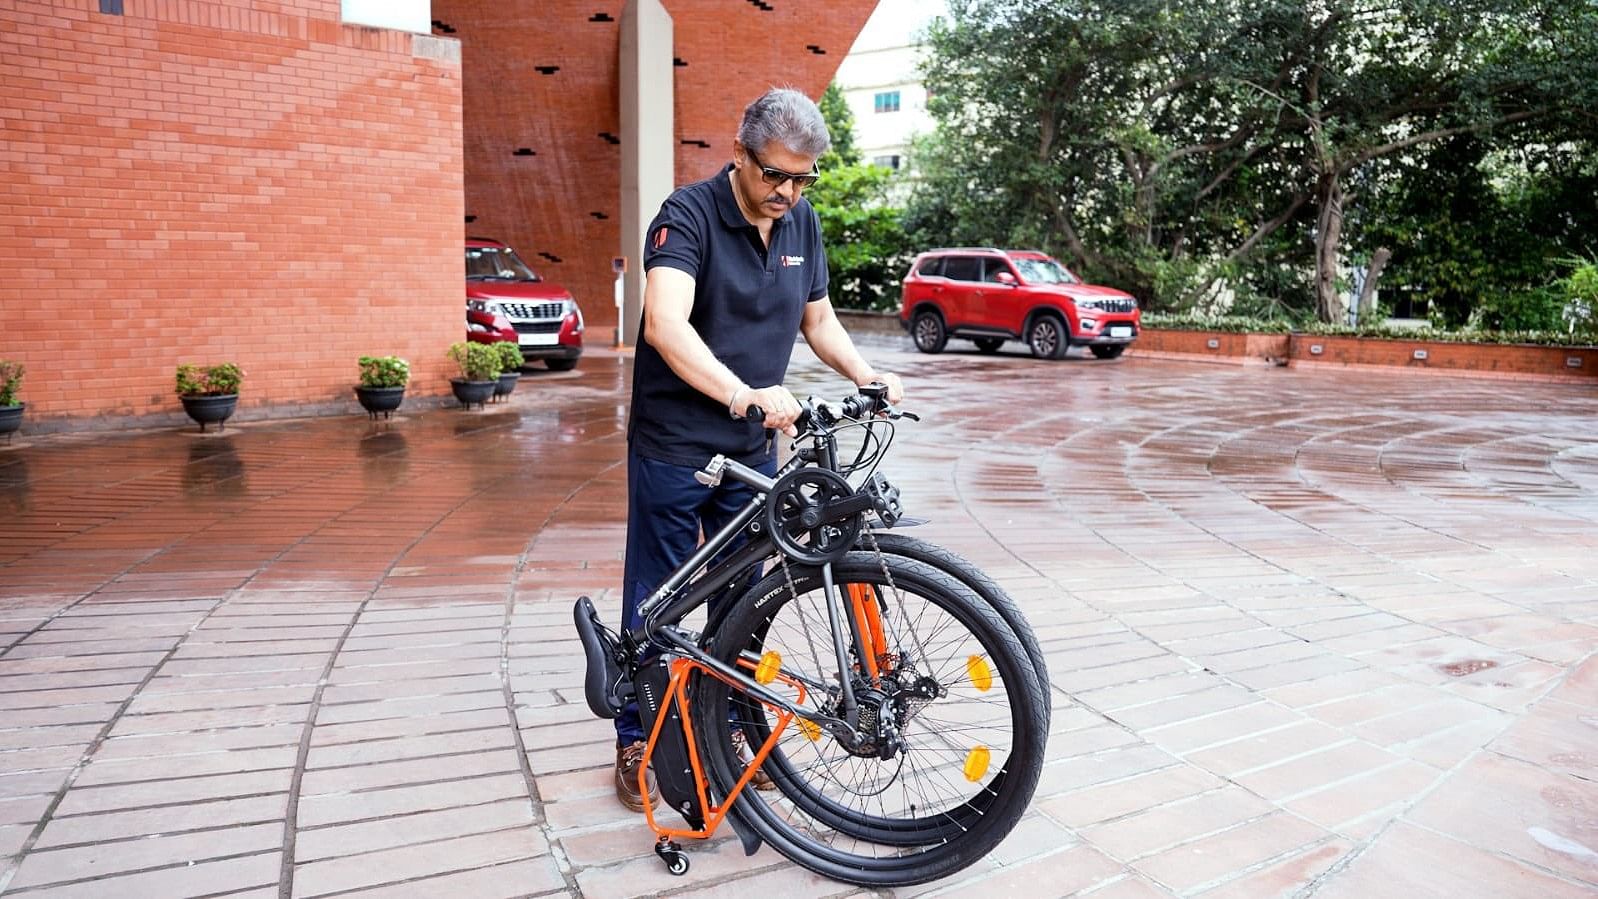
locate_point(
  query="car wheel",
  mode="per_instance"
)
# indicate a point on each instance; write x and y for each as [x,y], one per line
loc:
[1047,337]
[987,346]
[561,364]
[928,331]
[1108,352]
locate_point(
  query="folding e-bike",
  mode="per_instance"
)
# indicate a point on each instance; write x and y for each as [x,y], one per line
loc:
[894,696]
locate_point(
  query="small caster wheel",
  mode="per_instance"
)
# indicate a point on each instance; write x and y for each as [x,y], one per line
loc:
[676,860]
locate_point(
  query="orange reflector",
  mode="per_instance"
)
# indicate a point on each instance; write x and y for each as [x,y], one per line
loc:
[981,675]
[770,664]
[976,763]
[810,729]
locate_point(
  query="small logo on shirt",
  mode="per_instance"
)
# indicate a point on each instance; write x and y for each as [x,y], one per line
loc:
[660,238]
[792,260]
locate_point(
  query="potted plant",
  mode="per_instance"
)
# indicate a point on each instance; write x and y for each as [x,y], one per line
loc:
[510,367]
[382,387]
[479,365]
[209,392]
[10,409]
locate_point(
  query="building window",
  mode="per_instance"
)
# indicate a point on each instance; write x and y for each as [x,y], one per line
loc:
[887,162]
[887,101]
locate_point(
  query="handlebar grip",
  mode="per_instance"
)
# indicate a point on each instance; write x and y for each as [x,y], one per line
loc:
[755,412]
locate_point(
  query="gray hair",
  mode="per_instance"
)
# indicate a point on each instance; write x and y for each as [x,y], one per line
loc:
[788,117]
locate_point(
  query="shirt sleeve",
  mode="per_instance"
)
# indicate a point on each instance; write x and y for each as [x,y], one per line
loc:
[675,238]
[819,276]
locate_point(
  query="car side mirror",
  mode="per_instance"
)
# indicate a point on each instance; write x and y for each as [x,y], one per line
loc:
[1006,278]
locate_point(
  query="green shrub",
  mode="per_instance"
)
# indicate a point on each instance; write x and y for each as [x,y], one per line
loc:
[384,371]
[510,356]
[1580,290]
[1528,310]
[208,380]
[477,361]
[10,381]
[1237,324]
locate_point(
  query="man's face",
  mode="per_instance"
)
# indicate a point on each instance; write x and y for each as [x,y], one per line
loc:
[756,169]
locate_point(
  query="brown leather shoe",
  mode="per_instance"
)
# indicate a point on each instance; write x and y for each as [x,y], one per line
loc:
[761,780]
[628,758]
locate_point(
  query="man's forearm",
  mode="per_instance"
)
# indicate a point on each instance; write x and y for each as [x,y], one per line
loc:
[833,346]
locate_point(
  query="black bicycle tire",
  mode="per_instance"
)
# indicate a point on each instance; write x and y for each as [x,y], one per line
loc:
[973,828]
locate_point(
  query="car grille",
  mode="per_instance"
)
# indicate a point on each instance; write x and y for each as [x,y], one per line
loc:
[532,310]
[1112,305]
[536,327]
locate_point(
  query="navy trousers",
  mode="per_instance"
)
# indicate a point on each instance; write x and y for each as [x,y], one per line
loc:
[666,511]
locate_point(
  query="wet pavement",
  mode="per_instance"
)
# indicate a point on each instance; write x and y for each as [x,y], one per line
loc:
[1324,633]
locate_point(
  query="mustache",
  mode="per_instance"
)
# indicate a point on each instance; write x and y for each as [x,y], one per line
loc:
[778,200]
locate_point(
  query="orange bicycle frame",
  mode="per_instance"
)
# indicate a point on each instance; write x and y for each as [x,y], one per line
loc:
[676,692]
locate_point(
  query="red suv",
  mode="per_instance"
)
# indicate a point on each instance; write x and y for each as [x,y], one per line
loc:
[506,300]
[989,296]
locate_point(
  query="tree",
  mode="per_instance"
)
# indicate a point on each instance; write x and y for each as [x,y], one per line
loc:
[1165,144]
[861,228]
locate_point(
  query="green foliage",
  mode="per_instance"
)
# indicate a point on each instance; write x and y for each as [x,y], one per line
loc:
[840,126]
[862,229]
[384,371]
[220,379]
[1224,324]
[10,381]
[510,356]
[1231,324]
[865,241]
[477,361]
[1162,145]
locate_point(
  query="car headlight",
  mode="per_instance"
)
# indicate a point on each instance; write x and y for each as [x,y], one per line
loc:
[487,307]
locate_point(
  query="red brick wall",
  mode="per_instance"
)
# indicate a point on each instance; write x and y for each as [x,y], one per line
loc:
[560,207]
[222,181]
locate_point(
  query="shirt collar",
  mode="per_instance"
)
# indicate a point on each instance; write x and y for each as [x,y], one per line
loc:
[731,215]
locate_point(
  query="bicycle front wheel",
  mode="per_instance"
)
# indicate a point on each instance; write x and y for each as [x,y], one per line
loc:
[950,739]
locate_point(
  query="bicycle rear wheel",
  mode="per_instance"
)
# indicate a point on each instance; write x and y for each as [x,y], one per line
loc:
[953,722]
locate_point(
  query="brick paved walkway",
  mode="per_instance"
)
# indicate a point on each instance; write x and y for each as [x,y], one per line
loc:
[1326,633]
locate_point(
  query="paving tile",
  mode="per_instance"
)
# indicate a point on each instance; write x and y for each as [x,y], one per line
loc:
[336,808]
[57,866]
[1316,770]
[1545,818]
[1170,823]
[1109,801]
[1225,855]
[202,879]
[525,877]
[1297,597]
[1412,861]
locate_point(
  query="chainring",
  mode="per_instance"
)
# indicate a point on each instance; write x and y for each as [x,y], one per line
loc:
[795,517]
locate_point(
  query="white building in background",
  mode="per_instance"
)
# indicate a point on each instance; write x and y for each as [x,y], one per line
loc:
[882,83]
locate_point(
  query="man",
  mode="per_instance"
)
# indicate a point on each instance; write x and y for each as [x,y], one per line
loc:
[735,271]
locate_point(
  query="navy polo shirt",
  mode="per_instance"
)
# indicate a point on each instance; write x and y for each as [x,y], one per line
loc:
[748,303]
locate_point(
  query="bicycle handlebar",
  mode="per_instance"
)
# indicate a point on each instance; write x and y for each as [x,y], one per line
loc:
[871,401]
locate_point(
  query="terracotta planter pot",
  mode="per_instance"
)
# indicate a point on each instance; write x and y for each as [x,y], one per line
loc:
[208,410]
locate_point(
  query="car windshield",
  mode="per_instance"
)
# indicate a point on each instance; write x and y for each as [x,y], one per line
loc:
[496,264]
[1044,271]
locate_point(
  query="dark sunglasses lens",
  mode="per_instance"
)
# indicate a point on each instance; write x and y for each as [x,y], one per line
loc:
[772,176]
[805,180]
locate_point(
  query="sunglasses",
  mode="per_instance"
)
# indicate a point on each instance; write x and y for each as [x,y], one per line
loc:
[775,177]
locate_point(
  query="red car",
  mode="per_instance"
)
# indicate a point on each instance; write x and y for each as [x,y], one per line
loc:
[506,300]
[989,296]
